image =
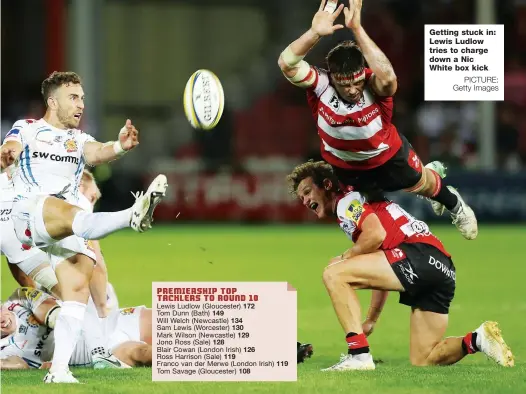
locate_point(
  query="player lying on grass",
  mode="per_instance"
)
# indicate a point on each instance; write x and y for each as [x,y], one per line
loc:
[28,319]
[352,105]
[392,251]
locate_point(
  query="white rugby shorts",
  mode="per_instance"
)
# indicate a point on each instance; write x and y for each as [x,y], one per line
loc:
[28,222]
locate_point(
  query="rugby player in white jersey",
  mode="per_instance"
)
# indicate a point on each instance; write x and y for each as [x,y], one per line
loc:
[353,105]
[29,317]
[392,252]
[31,267]
[49,156]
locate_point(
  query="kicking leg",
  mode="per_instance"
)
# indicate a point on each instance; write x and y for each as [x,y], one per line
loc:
[369,271]
[428,347]
[60,219]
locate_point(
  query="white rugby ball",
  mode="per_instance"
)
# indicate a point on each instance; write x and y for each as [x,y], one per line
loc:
[204,100]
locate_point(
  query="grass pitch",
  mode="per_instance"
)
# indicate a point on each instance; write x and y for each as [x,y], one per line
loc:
[490,286]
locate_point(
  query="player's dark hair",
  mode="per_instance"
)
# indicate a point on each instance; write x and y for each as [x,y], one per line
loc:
[56,80]
[317,170]
[345,58]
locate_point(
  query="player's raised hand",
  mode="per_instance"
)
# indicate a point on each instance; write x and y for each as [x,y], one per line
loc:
[323,21]
[129,136]
[352,14]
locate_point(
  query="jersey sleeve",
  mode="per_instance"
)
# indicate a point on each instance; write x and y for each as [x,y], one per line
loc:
[321,81]
[350,211]
[366,211]
[85,137]
[19,131]
[29,297]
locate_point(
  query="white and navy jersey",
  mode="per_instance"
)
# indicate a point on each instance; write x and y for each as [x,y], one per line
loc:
[51,161]
[353,135]
[34,342]
[6,188]
[6,202]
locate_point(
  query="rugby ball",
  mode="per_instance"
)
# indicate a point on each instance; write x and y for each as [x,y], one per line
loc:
[204,100]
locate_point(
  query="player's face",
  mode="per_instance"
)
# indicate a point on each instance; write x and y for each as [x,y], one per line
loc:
[350,91]
[90,191]
[315,198]
[7,322]
[70,100]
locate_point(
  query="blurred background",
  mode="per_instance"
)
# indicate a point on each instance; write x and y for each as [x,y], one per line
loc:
[135,57]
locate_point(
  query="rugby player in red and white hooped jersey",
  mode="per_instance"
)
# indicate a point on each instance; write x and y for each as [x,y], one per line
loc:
[392,251]
[353,106]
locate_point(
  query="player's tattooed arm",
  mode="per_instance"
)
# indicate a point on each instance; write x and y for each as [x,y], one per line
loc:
[384,81]
[13,362]
[96,153]
[291,59]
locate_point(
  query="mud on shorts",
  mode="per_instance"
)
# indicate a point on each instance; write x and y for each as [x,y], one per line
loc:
[427,274]
[402,171]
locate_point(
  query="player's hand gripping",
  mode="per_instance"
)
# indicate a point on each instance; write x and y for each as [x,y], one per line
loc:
[368,327]
[129,136]
[323,21]
[353,14]
[7,157]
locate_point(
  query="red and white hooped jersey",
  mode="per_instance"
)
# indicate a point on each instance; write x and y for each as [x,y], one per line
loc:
[356,136]
[400,226]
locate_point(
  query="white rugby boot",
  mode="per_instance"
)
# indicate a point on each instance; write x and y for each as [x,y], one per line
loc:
[491,343]
[348,362]
[440,169]
[108,362]
[60,376]
[145,203]
[465,219]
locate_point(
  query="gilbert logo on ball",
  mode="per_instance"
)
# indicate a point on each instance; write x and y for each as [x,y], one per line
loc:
[204,100]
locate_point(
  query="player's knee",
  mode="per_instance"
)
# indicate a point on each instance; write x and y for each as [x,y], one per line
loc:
[335,275]
[330,275]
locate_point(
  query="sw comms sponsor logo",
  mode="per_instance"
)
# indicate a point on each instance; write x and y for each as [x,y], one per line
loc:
[53,157]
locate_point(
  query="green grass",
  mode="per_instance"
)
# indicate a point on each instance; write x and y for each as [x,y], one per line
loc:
[490,286]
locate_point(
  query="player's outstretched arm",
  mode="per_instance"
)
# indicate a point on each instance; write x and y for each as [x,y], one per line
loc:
[378,299]
[291,62]
[96,153]
[371,237]
[384,81]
